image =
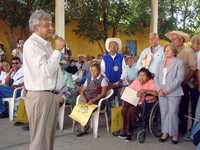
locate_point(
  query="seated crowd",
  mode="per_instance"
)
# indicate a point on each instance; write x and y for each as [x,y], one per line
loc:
[168,74]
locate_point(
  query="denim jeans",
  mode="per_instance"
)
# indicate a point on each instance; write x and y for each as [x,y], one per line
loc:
[5,92]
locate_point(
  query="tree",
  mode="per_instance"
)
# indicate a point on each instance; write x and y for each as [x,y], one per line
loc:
[15,15]
[179,15]
[97,16]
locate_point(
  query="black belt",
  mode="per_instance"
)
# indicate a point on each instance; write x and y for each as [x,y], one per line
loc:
[50,91]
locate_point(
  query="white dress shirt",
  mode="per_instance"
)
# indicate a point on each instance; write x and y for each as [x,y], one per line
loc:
[157,56]
[18,77]
[41,65]
[164,76]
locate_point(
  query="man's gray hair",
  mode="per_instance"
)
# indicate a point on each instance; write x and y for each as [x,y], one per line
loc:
[37,17]
[195,39]
[153,34]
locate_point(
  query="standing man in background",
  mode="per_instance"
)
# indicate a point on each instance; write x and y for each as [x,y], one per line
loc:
[43,80]
[151,56]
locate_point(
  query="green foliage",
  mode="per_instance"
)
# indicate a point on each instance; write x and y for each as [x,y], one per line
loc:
[97,16]
[17,12]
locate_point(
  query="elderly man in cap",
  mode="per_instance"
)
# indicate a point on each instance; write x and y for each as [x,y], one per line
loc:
[151,57]
[112,65]
[43,80]
[187,55]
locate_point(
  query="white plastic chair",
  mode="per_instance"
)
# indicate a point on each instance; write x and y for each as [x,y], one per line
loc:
[11,102]
[61,115]
[94,121]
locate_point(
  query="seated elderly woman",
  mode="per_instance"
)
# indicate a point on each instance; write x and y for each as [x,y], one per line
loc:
[93,89]
[168,83]
[143,85]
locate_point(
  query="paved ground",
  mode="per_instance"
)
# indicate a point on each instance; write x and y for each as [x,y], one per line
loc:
[14,138]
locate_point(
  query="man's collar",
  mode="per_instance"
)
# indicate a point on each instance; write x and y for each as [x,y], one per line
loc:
[155,48]
[99,76]
[113,56]
[43,41]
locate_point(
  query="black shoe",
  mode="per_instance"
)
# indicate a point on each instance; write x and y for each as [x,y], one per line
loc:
[122,136]
[4,115]
[175,141]
[116,133]
[82,133]
[25,127]
[163,139]
[18,124]
[128,138]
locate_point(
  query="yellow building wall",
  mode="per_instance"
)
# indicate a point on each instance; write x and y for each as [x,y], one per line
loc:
[81,45]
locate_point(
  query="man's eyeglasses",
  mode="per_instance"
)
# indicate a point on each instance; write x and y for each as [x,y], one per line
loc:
[15,63]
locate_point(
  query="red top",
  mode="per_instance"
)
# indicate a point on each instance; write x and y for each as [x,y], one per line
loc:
[149,85]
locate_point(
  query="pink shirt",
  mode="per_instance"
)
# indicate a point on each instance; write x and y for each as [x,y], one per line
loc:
[149,85]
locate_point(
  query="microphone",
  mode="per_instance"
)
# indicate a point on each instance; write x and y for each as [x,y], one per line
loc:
[55,36]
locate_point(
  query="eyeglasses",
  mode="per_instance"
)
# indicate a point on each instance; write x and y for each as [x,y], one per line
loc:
[15,63]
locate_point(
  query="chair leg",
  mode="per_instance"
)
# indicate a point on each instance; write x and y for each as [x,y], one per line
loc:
[11,109]
[107,123]
[61,116]
[95,123]
[73,125]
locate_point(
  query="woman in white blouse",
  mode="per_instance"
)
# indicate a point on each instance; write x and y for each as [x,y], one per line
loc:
[5,71]
[168,81]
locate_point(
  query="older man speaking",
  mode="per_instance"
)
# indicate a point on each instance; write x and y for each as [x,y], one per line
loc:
[43,80]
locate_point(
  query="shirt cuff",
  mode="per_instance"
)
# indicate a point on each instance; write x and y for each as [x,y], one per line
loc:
[64,97]
[57,51]
[56,54]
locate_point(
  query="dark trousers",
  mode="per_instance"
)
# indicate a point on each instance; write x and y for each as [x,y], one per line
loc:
[129,113]
[194,95]
[183,110]
[5,91]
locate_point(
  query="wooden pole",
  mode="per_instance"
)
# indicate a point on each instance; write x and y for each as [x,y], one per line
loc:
[154,16]
[60,18]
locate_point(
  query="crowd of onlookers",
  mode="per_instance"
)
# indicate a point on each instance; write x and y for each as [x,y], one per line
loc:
[169,73]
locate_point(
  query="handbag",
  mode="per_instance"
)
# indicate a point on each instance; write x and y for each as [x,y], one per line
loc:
[82,113]
[21,115]
[116,119]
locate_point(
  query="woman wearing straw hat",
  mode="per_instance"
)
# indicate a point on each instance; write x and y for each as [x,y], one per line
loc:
[186,54]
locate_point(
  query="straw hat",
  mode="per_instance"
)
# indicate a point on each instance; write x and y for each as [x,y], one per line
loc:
[179,33]
[117,40]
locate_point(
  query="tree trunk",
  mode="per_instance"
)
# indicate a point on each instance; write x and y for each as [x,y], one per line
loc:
[172,8]
[114,31]
[185,14]
[105,18]
[100,46]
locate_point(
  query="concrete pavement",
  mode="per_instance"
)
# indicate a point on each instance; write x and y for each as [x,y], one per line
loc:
[14,138]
